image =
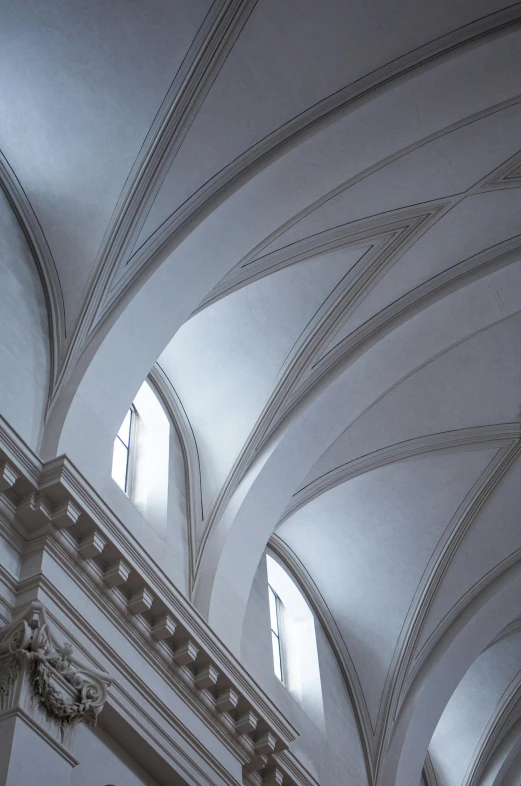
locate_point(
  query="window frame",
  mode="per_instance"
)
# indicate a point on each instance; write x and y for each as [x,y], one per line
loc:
[130,452]
[278,634]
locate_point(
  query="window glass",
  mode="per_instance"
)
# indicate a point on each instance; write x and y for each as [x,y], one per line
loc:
[124,431]
[275,610]
[294,641]
[121,454]
[141,458]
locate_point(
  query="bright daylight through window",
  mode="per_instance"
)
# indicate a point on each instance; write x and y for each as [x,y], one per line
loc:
[276,612]
[294,641]
[121,455]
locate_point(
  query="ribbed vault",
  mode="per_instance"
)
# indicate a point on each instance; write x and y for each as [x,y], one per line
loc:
[301,223]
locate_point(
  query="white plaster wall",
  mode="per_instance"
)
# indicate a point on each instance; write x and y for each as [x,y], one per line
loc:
[24,332]
[177,527]
[9,571]
[103,763]
[336,756]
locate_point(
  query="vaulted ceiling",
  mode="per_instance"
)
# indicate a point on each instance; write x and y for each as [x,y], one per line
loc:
[303,218]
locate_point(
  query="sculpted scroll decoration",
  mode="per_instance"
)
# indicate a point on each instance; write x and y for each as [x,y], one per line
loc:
[29,640]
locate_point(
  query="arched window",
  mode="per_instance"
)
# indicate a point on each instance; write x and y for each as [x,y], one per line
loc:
[141,457]
[294,644]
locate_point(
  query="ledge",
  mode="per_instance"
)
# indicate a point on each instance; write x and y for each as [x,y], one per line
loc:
[54,500]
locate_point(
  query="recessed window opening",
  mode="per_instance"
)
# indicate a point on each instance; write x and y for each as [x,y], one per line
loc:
[121,454]
[276,632]
[294,643]
[140,462]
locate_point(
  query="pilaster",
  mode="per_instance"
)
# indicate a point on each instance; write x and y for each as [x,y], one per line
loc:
[45,692]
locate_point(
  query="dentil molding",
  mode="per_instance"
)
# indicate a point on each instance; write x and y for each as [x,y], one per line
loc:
[53,503]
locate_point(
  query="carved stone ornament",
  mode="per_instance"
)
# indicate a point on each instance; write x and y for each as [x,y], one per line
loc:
[68,690]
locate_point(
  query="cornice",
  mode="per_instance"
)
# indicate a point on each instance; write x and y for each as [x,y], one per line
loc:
[43,258]
[135,713]
[139,705]
[63,509]
[112,605]
[185,96]
[338,645]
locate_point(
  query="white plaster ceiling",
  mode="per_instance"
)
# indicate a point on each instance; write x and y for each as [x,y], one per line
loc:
[322,41]
[241,344]
[477,223]
[367,544]
[485,380]
[80,85]
[337,310]
[493,537]
[469,716]
[448,165]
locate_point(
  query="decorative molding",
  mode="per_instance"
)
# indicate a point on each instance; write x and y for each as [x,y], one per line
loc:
[163,621]
[389,237]
[256,252]
[472,438]
[256,265]
[507,438]
[384,233]
[362,338]
[506,713]
[192,467]
[508,175]
[433,289]
[182,103]
[38,674]
[429,773]
[44,261]
[343,100]
[510,563]
[206,54]
[406,660]
[510,630]
[337,643]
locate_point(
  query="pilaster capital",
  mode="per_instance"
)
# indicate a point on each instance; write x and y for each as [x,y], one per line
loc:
[43,679]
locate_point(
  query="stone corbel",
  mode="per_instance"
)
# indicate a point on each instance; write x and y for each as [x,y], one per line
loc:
[43,679]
